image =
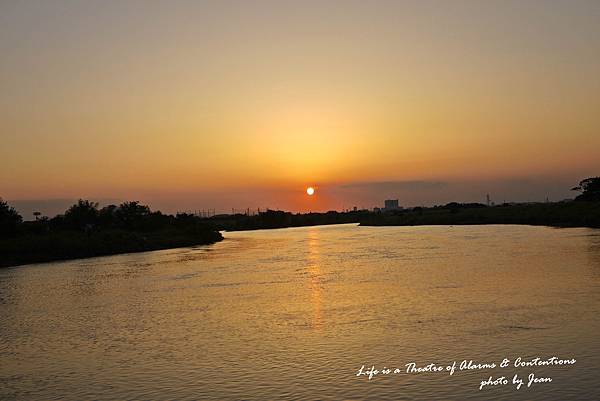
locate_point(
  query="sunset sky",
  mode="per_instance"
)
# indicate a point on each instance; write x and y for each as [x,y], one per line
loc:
[233,104]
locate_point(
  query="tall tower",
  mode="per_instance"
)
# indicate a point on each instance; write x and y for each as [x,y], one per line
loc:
[487,198]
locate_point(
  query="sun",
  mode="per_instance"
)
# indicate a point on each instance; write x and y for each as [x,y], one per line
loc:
[310,191]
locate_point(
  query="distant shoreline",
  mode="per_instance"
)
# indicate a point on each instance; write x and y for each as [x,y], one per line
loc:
[560,214]
[567,214]
[72,244]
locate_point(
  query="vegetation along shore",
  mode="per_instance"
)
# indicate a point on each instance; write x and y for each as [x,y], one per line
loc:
[85,230]
[583,211]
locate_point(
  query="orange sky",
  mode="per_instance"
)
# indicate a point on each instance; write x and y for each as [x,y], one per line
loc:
[216,105]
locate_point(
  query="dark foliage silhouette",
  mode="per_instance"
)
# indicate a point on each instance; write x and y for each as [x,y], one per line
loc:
[130,215]
[84,231]
[9,219]
[281,219]
[590,188]
[82,216]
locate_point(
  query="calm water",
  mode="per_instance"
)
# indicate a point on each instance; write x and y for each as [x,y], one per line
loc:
[294,313]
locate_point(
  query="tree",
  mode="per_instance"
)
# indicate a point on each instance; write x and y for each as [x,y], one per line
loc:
[131,214]
[9,219]
[107,216]
[82,215]
[589,188]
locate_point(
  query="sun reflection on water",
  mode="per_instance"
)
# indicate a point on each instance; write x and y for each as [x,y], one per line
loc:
[315,276]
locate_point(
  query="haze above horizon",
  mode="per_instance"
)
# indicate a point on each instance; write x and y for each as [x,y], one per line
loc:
[191,105]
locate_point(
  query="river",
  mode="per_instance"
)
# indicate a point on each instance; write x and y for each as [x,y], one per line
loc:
[295,313]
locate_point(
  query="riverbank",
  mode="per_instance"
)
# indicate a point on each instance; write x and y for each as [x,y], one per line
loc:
[563,214]
[281,219]
[85,231]
[66,245]
[42,241]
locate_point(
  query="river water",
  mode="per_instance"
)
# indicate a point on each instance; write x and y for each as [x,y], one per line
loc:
[295,313]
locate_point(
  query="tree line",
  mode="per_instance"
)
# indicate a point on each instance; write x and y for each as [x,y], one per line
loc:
[87,217]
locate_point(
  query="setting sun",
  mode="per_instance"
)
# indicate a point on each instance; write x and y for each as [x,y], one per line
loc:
[153,158]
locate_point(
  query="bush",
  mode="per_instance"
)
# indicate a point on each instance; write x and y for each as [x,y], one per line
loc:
[9,219]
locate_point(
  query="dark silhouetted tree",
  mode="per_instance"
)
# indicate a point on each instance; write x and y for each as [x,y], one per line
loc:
[590,189]
[131,214]
[82,216]
[9,219]
[107,216]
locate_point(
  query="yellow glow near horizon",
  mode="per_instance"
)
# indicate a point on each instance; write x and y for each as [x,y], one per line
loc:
[218,98]
[310,191]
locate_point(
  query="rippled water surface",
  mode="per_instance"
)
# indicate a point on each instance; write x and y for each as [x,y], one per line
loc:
[294,313]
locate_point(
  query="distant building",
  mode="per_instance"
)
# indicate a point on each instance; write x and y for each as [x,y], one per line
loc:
[391,204]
